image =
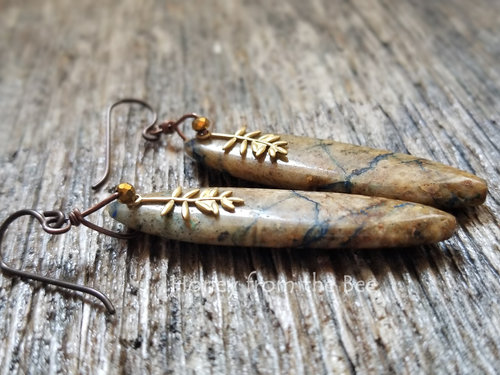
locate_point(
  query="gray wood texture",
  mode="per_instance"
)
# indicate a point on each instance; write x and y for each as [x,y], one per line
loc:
[420,77]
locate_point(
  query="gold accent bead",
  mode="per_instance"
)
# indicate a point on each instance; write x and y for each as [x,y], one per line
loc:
[200,124]
[126,193]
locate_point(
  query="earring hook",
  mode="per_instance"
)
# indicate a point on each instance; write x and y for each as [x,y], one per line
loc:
[153,121]
[56,222]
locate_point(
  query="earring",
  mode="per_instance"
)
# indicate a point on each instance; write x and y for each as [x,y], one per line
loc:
[293,162]
[251,217]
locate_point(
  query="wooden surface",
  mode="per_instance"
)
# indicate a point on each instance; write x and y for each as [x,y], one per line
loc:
[410,76]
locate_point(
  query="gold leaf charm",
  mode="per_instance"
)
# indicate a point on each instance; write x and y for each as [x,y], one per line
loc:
[229,144]
[280,143]
[192,193]
[243,147]
[212,192]
[269,138]
[177,192]
[206,201]
[260,148]
[168,207]
[281,150]
[267,142]
[241,131]
[272,151]
[227,204]
[185,210]
[254,146]
[215,207]
[253,134]
[204,206]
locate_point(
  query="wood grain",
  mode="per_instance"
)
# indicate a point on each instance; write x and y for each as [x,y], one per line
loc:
[418,77]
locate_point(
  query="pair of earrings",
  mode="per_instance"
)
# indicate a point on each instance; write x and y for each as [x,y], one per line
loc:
[389,205]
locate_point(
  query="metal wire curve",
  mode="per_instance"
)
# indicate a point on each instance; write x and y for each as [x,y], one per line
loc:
[108,133]
[56,222]
[53,222]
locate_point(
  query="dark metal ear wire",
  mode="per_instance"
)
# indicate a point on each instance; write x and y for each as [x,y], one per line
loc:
[108,132]
[56,222]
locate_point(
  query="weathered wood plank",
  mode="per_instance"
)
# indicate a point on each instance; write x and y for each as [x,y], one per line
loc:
[417,77]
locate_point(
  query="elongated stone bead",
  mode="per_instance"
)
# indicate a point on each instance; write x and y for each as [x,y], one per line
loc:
[315,164]
[285,218]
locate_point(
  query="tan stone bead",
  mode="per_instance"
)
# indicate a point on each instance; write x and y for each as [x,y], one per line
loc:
[317,164]
[291,218]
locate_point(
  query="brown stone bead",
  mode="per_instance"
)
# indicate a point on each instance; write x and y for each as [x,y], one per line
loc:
[316,164]
[285,218]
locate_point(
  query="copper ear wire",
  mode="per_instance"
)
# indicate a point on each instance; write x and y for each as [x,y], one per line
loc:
[56,222]
[107,162]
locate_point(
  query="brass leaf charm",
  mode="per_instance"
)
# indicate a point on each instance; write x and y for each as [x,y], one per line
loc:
[269,138]
[227,204]
[168,207]
[281,150]
[204,206]
[267,142]
[185,210]
[241,131]
[215,207]
[177,192]
[192,193]
[272,151]
[253,134]
[212,192]
[260,148]
[243,147]
[229,144]
[206,201]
